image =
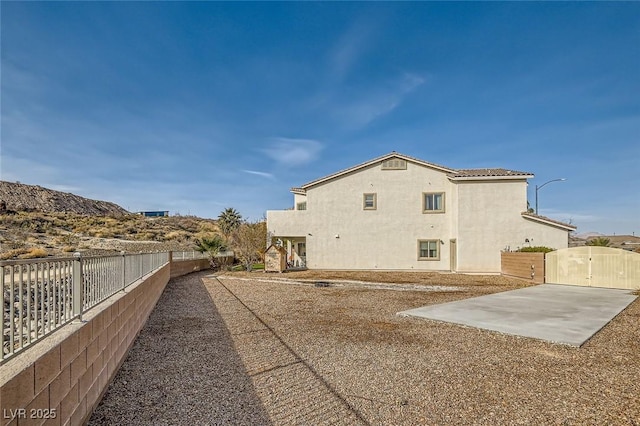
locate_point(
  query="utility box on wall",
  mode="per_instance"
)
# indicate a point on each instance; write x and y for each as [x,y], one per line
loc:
[275,259]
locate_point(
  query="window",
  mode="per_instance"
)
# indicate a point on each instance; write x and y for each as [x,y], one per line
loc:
[301,206]
[428,249]
[433,202]
[369,201]
[394,164]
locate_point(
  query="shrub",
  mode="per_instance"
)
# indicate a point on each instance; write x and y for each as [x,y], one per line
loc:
[206,227]
[536,249]
[34,253]
[15,245]
[176,236]
[599,242]
[13,253]
[68,239]
[146,236]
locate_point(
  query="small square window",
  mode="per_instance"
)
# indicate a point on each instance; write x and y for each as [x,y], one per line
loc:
[301,206]
[428,249]
[433,202]
[369,201]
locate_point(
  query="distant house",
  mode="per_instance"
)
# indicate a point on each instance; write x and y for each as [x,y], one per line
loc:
[153,213]
[397,212]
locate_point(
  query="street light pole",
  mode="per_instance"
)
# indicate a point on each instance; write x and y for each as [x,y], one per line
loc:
[540,187]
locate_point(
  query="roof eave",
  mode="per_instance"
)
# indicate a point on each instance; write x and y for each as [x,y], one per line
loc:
[550,222]
[299,191]
[372,162]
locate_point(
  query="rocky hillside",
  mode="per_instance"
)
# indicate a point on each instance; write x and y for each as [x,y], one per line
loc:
[21,197]
[36,234]
[40,222]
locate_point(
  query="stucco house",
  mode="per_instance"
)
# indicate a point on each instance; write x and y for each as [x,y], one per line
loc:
[397,212]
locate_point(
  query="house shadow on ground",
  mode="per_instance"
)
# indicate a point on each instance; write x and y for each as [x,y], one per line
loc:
[182,368]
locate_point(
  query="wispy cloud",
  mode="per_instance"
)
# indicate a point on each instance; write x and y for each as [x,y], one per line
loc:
[293,152]
[261,174]
[349,48]
[359,111]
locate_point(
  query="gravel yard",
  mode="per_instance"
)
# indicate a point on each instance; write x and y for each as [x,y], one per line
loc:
[259,351]
[182,368]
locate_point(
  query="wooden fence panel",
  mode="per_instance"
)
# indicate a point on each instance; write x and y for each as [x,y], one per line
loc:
[529,266]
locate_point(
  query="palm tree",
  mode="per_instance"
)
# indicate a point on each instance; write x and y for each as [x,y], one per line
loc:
[228,221]
[600,242]
[213,246]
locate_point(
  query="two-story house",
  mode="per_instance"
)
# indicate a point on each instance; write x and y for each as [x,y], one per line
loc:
[396,212]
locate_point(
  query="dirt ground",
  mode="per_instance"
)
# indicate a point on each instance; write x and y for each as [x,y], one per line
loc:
[397,370]
[256,348]
[426,278]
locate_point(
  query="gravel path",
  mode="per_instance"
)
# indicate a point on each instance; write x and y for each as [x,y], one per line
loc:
[254,352]
[182,368]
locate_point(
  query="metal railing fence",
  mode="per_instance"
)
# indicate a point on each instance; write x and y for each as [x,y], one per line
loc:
[192,255]
[189,255]
[42,295]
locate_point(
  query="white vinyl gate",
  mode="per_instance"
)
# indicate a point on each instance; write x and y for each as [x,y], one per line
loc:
[593,266]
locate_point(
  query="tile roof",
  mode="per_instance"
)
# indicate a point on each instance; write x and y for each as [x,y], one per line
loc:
[487,173]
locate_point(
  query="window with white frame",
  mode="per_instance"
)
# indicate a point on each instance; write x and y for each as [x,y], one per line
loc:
[301,206]
[428,249]
[369,201]
[433,202]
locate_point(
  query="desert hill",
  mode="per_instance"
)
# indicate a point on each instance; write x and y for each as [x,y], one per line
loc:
[39,222]
[20,197]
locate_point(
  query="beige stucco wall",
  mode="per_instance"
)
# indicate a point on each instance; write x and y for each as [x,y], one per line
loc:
[483,216]
[370,239]
[288,223]
[490,220]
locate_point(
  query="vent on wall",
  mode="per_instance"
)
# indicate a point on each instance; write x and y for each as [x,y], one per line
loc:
[394,164]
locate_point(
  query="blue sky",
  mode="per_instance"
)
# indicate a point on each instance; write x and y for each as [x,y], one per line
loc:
[194,107]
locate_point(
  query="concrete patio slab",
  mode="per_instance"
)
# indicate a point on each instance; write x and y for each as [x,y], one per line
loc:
[553,312]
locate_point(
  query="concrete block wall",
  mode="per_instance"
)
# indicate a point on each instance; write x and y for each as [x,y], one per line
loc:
[60,380]
[529,266]
[184,267]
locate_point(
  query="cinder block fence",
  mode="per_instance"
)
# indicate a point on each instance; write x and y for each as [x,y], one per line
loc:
[60,379]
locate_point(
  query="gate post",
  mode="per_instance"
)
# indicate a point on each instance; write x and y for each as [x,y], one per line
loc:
[589,269]
[77,286]
[124,270]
